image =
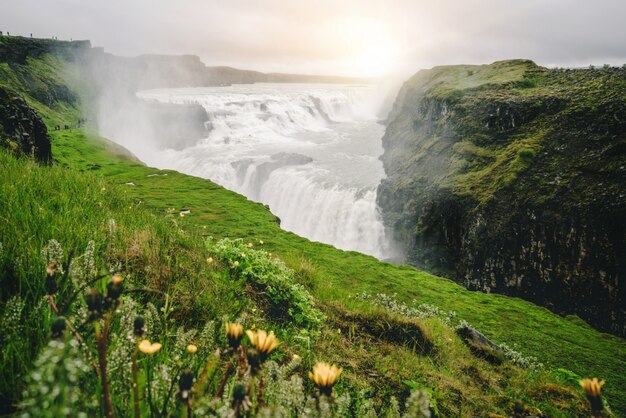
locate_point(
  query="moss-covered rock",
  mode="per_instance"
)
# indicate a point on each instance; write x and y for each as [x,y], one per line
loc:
[511,178]
[21,128]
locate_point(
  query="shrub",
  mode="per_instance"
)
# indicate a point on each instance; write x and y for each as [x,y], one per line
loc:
[270,280]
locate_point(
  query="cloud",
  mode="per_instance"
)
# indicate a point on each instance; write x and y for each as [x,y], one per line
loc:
[348,37]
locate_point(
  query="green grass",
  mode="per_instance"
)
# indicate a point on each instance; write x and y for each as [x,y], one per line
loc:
[337,275]
[450,82]
[161,251]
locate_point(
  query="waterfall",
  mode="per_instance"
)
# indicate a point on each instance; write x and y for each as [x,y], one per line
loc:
[308,151]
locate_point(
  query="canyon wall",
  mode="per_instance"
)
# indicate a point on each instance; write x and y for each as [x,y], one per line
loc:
[511,178]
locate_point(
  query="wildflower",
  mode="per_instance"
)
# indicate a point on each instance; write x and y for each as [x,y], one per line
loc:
[51,283]
[192,349]
[325,376]
[149,348]
[236,263]
[250,245]
[592,387]
[264,343]
[209,260]
[593,390]
[261,242]
[114,287]
[138,326]
[181,214]
[243,255]
[234,333]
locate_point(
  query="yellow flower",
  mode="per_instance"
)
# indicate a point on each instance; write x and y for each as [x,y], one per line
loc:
[243,255]
[182,215]
[209,260]
[192,349]
[264,343]
[592,387]
[117,279]
[234,329]
[593,390]
[325,376]
[249,245]
[52,268]
[261,241]
[236,263]
[149,348]
[234,333]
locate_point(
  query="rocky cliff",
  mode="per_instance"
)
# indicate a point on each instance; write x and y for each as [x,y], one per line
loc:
[21,128]
[511,178]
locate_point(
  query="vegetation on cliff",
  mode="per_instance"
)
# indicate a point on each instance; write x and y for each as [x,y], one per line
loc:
[510,178]
[193,255]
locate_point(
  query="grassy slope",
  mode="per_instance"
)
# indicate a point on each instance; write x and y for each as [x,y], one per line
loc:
[336,275]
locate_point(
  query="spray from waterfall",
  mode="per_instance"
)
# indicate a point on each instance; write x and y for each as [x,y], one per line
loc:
[310,152]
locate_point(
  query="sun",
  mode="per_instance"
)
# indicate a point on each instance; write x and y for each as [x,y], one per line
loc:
[367,46]
[374,61]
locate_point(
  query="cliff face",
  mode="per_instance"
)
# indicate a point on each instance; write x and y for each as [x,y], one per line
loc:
[511,178]
[21,128]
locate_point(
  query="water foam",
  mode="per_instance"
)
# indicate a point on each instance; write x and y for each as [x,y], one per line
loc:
[308,151]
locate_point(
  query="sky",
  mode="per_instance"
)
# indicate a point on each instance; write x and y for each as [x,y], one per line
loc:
[367,38]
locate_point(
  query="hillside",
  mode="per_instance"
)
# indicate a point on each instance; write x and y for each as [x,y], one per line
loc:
[510,178]
[399,337]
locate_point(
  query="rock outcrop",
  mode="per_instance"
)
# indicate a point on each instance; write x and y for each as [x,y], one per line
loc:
[21,128]
[511,178]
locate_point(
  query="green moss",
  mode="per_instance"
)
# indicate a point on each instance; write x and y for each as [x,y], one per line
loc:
[504,165]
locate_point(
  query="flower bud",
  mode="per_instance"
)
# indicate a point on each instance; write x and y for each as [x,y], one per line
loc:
[239,393]
[94,301]
[185,383]
[58,327]
[115,287]
[138,326]
[254,360]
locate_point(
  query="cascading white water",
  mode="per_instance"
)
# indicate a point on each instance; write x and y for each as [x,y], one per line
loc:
[308,151]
